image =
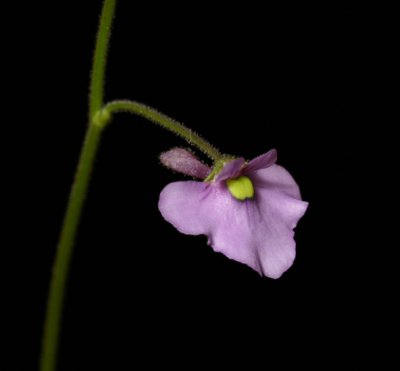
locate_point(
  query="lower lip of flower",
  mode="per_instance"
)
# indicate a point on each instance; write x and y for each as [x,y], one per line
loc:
[241,187]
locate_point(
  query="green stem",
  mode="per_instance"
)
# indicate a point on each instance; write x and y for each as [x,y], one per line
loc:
[65,248]
[166,122]
[51,331]
[100,57]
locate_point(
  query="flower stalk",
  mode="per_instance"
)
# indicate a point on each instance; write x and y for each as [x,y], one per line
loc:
[99,116]
[52,326]
[166,122]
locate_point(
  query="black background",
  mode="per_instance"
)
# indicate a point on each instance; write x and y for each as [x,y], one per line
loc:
[246,78]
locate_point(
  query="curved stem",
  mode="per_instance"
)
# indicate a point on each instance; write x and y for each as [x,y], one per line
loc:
[100,57]
[51,332]
[166,122]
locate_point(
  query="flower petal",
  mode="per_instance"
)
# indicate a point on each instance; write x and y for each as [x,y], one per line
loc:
[185,162]
[275,177]
[183,204]
[279,209]
[231,169]
[208,208]
[263,161]
[257,232]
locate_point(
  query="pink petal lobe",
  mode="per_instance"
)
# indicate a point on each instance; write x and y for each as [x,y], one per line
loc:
[278,178]
[279,209]
[182,204]
[263,161]
[231,169]
[198,208]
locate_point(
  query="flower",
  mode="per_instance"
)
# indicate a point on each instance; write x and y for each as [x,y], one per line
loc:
[248,211]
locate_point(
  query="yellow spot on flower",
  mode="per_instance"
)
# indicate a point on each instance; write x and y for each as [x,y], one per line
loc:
[241,188]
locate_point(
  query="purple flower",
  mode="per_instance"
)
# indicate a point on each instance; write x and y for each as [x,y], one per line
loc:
[248,211]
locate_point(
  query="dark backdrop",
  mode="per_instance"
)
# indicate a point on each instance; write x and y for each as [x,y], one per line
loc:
[246,78]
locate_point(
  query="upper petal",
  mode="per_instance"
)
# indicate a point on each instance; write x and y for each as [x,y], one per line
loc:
[263,161]
[231,169]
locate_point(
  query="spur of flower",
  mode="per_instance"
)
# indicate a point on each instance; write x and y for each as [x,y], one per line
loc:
[247,210]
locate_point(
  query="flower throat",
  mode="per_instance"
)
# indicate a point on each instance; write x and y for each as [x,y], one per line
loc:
[241,188]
